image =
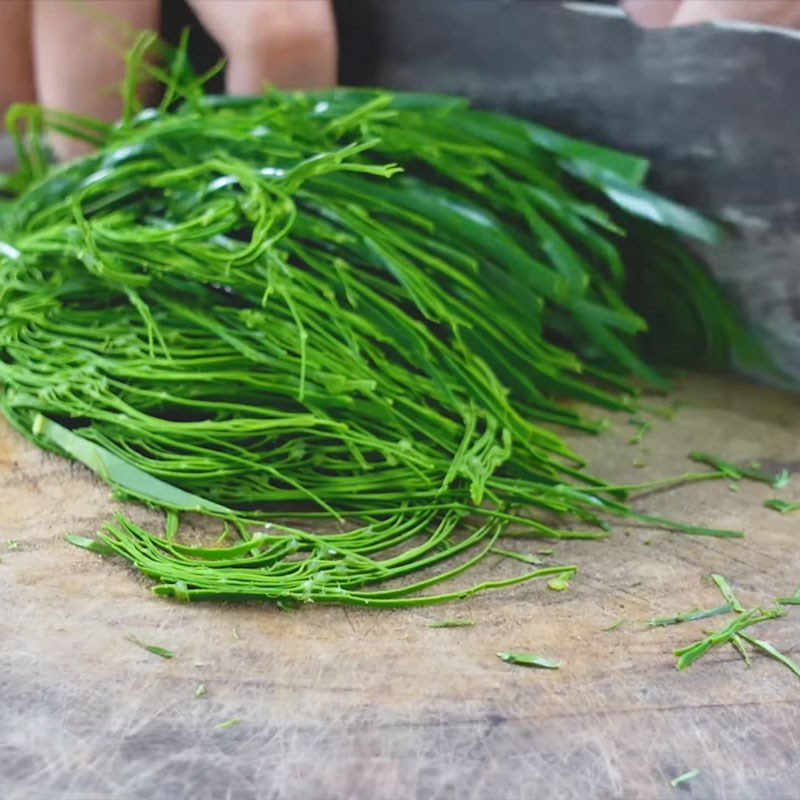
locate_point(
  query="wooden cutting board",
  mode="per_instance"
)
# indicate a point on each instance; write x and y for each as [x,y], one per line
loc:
[337,702]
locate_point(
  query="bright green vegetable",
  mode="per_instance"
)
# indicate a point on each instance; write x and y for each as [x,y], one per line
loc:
[528,660]
[151,648]
[452,623]
[239,307]
[727,593]
[689,616]
[688,655]
[738,645]
[686,776]
[640,433]
[790,601]
[773,652]
[781,505]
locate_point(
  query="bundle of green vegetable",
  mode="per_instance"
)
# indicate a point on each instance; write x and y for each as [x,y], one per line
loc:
[365,307]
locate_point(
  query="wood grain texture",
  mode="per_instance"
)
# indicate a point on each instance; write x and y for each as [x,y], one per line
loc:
[368,704]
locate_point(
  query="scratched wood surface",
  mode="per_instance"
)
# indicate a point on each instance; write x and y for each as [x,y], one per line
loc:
[359,703]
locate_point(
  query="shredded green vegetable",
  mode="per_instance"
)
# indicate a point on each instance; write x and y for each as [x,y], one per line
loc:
[727,593]
[781,505]
[790,601]
[639,435]
[528,660]
[689,616]
[357,311]
[151,648]
[689,654]
[738,645]
[772,652]
[452,623]
[686,776]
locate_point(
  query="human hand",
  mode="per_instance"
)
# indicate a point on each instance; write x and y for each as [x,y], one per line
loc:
[670,13]
[66,55]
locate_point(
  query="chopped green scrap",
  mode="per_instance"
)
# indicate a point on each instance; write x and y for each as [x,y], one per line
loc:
[733,487]
[689,616]
[526,557]
[689,654]
[528,660]
[614,626]
[687,776]
[546,552]
[12,544]
[781,479]
[719,464]
[727,592]
[644,427]
[89,544]
[781,505]
[736,641]
[200,690]
[771,651]
[561,581]
[235,634]
[753,472]
[229,723]
[639,464]
[790,601]
[452,623]
[151,648]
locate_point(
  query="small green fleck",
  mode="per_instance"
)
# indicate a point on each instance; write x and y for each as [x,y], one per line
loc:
[528,660]
[229,723]
[151,648]
[560,582]
[648,541]
[639,464]
[687,776]
[199,663]
[781,479]
[639,435]
[733,487]
[452,623]
[546,552]
[235,634]
[12,544]
[200,690]
[618,624]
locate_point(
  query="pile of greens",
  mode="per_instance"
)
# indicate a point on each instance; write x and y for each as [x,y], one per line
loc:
[365,309]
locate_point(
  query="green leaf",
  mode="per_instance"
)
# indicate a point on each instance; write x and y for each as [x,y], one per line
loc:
[528,660]
[151,648]
[89,544]
[120,473]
